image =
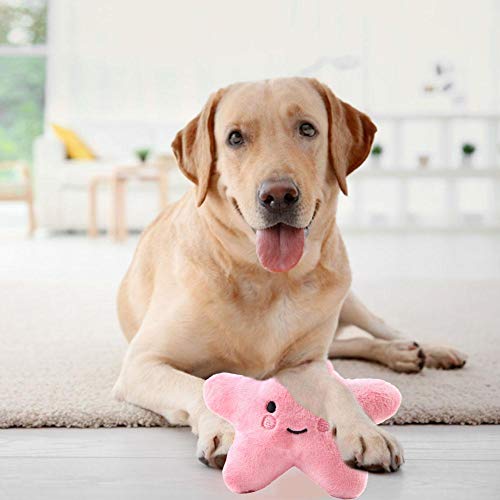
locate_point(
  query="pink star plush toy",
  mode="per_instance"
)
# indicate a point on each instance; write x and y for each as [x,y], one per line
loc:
[274,433]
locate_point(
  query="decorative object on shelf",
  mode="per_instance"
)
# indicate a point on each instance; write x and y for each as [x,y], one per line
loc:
[444,81]
[376,154]
[423,160]
[468,150]
[143,154]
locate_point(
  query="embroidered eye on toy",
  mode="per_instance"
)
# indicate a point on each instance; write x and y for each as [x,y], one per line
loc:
[274,433]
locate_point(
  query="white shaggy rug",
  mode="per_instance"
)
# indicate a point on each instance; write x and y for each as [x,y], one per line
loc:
[61,350]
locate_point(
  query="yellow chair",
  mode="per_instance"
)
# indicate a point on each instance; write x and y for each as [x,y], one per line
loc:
[16,185]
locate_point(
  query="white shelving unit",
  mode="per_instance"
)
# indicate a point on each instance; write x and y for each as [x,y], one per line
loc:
[446,169]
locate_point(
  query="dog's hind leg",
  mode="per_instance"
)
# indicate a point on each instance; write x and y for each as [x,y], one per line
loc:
[389,346]
[355,313]
[399,355]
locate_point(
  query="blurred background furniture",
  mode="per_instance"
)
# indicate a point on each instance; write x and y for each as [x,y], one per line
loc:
[62,184]
[16,185]
[430,184]
[118,179]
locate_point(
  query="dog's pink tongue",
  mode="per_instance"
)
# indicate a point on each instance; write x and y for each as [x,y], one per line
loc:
[280,247]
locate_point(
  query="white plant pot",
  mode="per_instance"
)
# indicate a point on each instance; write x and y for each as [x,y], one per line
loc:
[423,161]
[467,160]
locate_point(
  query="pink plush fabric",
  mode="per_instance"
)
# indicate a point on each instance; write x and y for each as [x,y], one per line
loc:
[270,439]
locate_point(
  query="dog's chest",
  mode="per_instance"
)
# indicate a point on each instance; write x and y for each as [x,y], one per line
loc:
[279,309]
[266,327]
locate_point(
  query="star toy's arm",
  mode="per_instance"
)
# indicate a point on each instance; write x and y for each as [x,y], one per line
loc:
[222,392]
[252,463]
[379,399]
[231,397]
[323,464]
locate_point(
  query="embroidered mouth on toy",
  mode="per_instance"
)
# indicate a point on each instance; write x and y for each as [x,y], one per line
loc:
[296,432]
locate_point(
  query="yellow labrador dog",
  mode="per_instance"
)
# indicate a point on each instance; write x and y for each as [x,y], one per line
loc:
[248,273]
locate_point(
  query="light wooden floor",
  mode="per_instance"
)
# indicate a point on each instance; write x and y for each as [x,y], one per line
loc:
[442,462]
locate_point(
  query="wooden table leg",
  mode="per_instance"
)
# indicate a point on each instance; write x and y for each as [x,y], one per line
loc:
[119,225]
[122,215]
[163,188]
[29,199]
[113,209]
[92,221]
[31,214]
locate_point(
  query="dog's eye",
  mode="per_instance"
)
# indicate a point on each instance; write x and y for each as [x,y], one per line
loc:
[271,407]
[235,138]
[307,129]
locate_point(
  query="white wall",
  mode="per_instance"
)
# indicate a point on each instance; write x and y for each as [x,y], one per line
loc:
[159,59]
[404,39]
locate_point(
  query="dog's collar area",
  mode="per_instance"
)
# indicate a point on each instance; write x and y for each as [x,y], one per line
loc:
[296,432]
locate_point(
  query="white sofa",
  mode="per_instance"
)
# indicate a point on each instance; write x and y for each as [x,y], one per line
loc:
[61,185]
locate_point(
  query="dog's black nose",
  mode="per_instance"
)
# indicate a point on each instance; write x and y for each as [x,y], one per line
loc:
[278,195]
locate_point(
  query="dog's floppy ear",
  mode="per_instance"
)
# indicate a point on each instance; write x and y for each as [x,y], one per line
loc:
[194,147]
[350,134]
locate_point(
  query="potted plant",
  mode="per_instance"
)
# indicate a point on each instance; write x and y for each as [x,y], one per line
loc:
[376,153]
[143,154]
[424,160]
[468,150]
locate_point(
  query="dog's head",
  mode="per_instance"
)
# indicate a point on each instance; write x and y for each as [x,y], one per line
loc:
[276,151]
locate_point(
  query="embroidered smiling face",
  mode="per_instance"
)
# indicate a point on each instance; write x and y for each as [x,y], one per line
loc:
[293,420]
[261,405]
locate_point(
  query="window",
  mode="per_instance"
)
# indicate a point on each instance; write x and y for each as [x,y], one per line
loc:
[23,28]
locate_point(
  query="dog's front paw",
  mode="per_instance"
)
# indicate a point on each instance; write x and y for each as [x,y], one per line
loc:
[370,448]
[215,436]
[444,357]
